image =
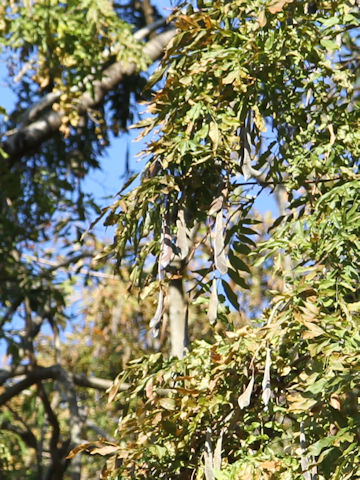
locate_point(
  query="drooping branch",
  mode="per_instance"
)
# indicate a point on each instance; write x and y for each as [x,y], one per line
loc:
[33,135]
[31,378]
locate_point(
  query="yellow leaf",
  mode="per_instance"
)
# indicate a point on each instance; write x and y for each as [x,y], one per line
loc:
[312,330]
[262,19]
[335,401]
[258,119]
[298,404]
[167,403]
[214,135]
[271,465]
[354,307]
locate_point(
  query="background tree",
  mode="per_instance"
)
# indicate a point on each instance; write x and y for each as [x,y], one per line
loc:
[255,96]
[76,70]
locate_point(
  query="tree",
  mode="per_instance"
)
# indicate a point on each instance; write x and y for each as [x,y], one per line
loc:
[76,69]
[255,96]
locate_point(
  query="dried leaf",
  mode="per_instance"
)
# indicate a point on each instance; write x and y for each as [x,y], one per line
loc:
[105,450]
[79,448]
[271,465]
[244,399]
[219,246]
[167,403]
[266,387]
[258,119]
[332,134]
[214,135]
[299,404]
[278,5]
[213,303]
[262,19]
[335,401]
[312,330]
[149,389]
[113,390]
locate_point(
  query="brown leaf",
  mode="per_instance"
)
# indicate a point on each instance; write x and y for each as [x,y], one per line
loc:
[105,450]
[335,401]
[271,465]
[312,331]
[219,246]
[79,448]
[149,389]
[278,5]
[112,392]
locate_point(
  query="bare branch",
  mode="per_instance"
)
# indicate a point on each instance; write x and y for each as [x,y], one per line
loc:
[44,373]
[101,384]
[143,32]
[32,377]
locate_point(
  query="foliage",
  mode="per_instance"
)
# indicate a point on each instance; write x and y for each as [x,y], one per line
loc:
[252,96]
[251,395]
[260,90]
[57,54]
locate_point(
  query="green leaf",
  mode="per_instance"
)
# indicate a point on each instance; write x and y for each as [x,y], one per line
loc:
[329,44]
[237,263]
[230,295]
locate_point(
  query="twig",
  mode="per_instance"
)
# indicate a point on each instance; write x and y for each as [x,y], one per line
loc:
[42,373]
[275,183]
[64,266]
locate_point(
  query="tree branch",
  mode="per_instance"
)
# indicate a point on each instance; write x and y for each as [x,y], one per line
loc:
[44,373]
[33,135]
